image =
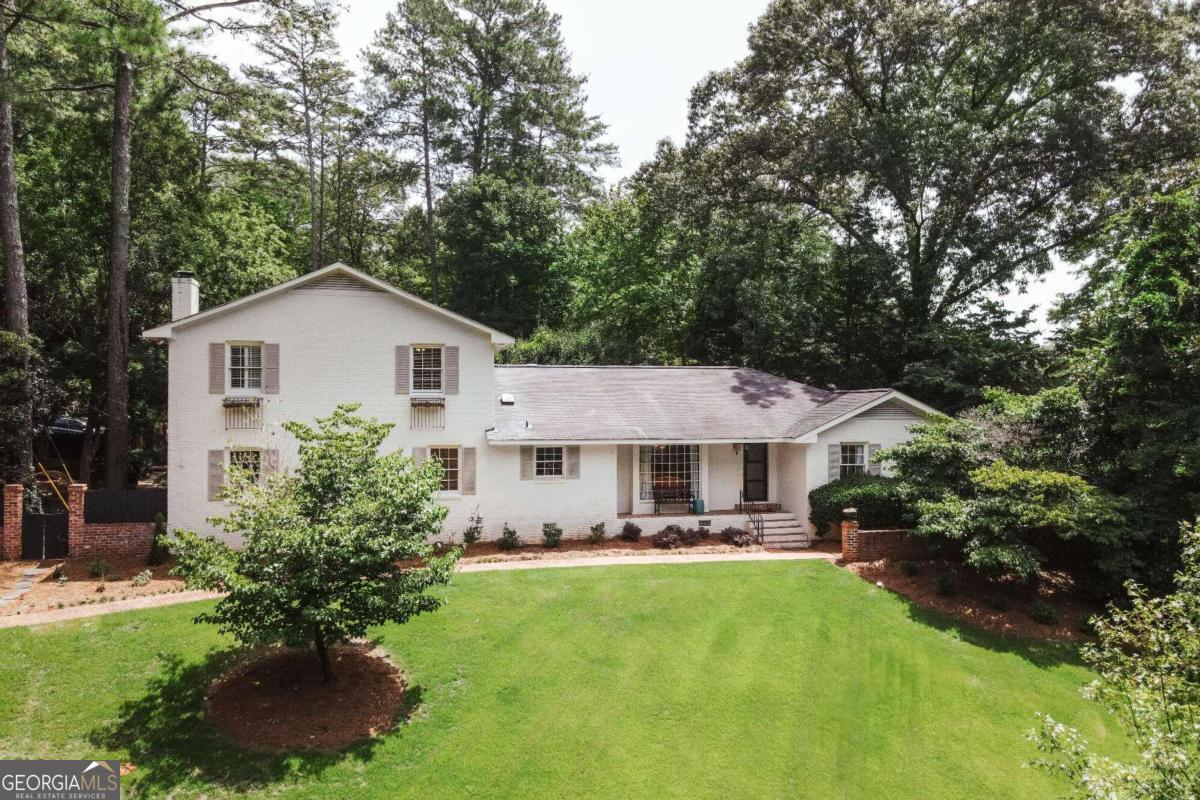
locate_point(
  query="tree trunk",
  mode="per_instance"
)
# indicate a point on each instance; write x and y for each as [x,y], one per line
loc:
[314,252]
[16,299]
[116,454]
[430,241]
[322,654]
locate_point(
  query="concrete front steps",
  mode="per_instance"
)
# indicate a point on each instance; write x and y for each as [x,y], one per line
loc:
[782,530]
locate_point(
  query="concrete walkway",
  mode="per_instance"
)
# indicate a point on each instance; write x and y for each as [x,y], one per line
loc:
[23,584]
[154,601]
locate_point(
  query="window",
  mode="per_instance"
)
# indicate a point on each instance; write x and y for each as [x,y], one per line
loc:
[249,461]
[669,465]
[548,462]
[245,366]
[854,460]
[427,370]
[449,458]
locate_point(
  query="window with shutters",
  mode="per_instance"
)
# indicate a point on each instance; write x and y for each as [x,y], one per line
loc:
[548,462]
[854,460]
[427,369]
[668,466]
[248,461]
[245,368]
[449,456]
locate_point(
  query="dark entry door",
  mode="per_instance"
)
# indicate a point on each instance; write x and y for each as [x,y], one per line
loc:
[43,536]
[754,472]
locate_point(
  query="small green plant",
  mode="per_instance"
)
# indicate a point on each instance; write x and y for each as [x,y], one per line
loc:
[62,579]
[142,578]
[474,530]
[100,587]
[99,568]
[945,584]
[1042,612]
[551,534]
[509,540]
[909,568]
[597,534]
[631,531]
[160,550]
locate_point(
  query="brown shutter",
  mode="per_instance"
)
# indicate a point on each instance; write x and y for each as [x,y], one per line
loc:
[216,473]
[216,368]
[835,462]
[466,471]
[270,462]
[450,369]
[526,463]
[571,461]
[873,469]
[403,368]
[270,382]
[420,454]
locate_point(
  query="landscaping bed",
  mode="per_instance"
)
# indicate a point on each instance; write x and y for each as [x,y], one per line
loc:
[1052,610]
[82,586]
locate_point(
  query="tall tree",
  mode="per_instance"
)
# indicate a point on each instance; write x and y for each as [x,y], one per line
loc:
[964,142]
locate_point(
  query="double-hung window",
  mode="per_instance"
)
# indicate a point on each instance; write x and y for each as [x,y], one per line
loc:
[449,456]
[548,462]
[854,460]
[245,367]
[427,369]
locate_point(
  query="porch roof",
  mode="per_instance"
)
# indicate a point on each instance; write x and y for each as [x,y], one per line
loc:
[654,404]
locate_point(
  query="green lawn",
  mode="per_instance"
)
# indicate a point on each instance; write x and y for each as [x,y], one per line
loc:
[735,680]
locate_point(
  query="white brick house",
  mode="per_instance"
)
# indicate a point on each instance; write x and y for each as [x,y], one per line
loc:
[522,444]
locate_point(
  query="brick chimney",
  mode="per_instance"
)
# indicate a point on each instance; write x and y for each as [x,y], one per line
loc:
[185,295]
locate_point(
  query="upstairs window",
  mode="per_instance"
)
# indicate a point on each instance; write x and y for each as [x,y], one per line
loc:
[548,462]
[854,460]
[426,370]
[245,367]
[247,461]
[449,458]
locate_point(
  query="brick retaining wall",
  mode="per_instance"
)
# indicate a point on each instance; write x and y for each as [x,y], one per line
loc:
[108,539]
[874,545]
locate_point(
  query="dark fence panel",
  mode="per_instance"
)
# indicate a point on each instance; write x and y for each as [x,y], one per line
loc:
[123,505]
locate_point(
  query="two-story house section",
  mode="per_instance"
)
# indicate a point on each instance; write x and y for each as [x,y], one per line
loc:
[523,445]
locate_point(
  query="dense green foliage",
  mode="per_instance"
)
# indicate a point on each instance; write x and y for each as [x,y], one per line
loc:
[1146,659]
[877,499]
[328,548]
[633,682]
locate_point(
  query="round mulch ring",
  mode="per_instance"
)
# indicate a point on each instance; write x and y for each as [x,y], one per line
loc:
[278,702]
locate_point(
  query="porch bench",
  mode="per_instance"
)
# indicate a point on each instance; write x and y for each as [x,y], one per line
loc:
[672,494]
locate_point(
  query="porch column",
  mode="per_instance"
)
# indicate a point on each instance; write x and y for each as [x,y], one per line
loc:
[850,534]
[76,493]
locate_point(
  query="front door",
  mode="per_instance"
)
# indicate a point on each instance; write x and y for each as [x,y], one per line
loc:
[754,472]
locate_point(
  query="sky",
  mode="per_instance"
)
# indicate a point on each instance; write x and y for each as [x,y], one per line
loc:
[642,58]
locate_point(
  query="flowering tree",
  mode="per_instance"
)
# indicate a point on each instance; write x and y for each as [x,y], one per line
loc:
[1148,659]
[340,545]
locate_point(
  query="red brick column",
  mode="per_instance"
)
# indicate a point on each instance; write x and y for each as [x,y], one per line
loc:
[10,534]
[850,539]
[75,530]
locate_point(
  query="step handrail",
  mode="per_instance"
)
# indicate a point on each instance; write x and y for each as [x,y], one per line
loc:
[754,514]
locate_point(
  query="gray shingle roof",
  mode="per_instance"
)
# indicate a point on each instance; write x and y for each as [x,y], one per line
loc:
[562,404]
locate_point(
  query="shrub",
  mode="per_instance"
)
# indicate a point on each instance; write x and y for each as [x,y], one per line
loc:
[551,534]
[631,531]
[945,584]
[62,580]
[160,550]
[99,568]
[509,540]
[597,533]
[100,587]
[473,530]
[669,537]
[909,568]
[1043,612]
[691,536]
[142,578]
[736,537]
[877,499]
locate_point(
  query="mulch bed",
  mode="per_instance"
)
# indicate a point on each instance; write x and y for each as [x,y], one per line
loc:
[976,598]
[278,702]
[81,588]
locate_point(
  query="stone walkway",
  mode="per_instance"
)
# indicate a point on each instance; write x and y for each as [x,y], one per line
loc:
[23,584]
[154,601]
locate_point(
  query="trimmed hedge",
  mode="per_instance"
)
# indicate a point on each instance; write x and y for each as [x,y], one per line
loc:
[877,499]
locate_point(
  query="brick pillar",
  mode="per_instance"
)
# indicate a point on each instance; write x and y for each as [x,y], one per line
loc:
[10,534]
[75,540]
[850,534]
